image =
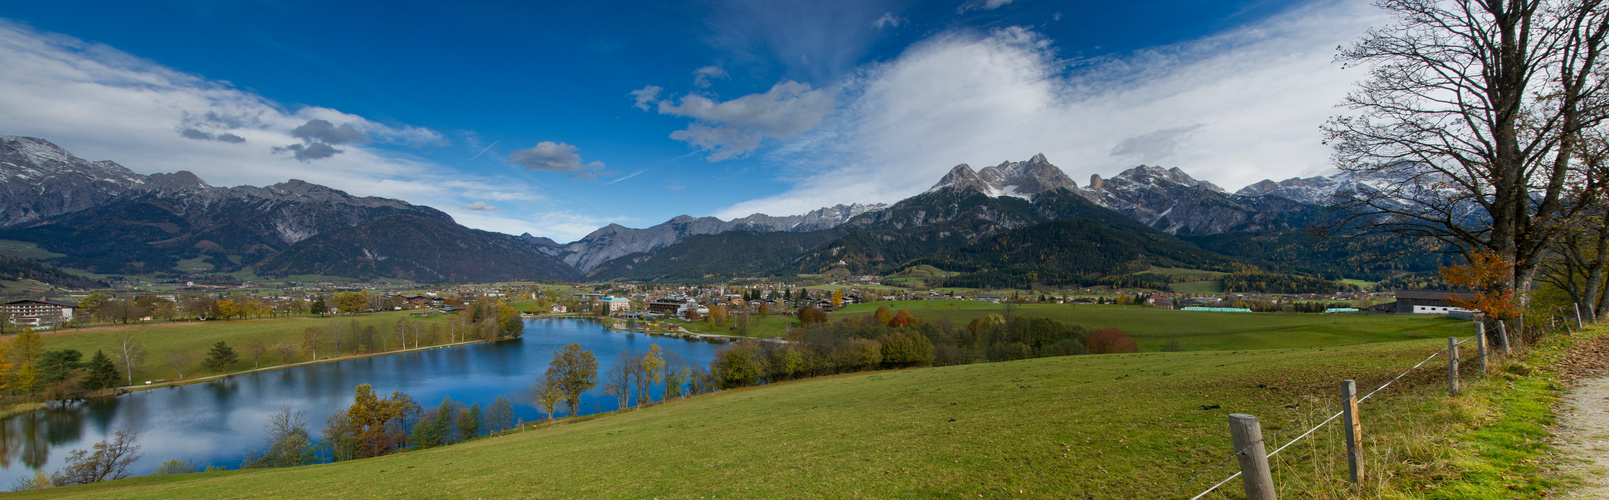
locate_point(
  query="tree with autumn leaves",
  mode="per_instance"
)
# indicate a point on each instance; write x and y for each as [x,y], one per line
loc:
[371,426]
[1486,274]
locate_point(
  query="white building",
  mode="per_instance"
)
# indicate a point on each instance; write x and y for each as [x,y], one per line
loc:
[612,305]
[40,312]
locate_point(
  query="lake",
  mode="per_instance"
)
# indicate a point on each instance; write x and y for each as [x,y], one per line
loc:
[217,422]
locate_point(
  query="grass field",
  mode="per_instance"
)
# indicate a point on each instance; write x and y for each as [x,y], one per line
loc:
[17,288]
[26,250]
[1113,426]
[1153,328]
[199,336]
[193,265]
[764,327]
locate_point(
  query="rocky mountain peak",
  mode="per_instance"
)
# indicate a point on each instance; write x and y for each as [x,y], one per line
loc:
[182,180]
[1311,190]
[39,179]
[1023,179]
[962,177]
[1148,176]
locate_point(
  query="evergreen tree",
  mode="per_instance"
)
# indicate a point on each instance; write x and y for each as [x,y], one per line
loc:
[318,307]
[221,357]
[102,372]
[56,365]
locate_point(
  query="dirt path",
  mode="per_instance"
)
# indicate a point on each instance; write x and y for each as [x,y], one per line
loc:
[1584,430]
[1583,427]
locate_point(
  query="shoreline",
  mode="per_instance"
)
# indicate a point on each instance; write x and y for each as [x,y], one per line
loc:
[210,378]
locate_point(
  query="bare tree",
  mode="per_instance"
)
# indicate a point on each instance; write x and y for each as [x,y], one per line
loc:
[110,461]
[257,348]
[617,381]
[1472,116]
[178,360]
[130,353]
[1579,262]
[286,352]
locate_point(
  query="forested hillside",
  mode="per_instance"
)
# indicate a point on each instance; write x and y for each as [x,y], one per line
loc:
[1074,251]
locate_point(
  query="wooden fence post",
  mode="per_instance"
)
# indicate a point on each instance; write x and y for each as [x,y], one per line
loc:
[1452,366]
[1480,345]
[1502,332]
[1354,430]
[1578,323]
[1247,436]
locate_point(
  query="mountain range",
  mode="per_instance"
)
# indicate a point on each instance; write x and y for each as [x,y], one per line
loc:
[108,219]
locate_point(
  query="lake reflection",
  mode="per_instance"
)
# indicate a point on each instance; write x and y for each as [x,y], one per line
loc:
[217,422]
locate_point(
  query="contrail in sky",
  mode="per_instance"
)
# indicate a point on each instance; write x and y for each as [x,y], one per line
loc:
[483,151]
[624,178]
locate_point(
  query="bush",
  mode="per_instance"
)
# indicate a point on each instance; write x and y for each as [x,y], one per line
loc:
[176,466]
[1110,341]
[737,366]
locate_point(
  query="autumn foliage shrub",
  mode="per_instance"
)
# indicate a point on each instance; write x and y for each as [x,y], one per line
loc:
[1110,341]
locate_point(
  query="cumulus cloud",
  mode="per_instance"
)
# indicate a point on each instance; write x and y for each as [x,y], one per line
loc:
[732,129]
[479,206]
[1232,108]
[549,156]
[981,5]
[702,76]
[645,96]
[888,19]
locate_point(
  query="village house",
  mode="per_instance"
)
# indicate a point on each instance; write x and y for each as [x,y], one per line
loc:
[42,312]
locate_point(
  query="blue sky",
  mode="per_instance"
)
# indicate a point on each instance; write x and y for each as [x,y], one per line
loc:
[557,118]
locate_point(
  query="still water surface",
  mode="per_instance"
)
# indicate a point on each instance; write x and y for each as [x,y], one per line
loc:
[217,422]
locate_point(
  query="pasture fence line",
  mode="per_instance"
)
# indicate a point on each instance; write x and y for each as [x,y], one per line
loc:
[1255,474]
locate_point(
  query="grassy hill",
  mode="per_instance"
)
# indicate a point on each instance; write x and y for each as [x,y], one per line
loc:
[1152,328]
[1130,426]
[1069,251]
[20,269]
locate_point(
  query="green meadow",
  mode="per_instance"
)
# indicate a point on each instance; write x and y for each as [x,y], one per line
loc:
[1154,328]
[197,337]
[1129,426]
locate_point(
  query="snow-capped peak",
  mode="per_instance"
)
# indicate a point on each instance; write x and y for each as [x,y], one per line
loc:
[1023,179]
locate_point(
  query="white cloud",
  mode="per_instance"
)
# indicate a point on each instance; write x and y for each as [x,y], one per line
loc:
[645,96]
[105,104]
[732,129]
[981,5]
[479,206]
[702,76]
[1233,108]
[888,19]
[549,156]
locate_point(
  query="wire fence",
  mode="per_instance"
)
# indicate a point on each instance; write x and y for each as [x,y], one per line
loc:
[1305,434]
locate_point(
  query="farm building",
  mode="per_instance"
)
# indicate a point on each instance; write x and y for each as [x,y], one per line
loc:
[1429,301]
